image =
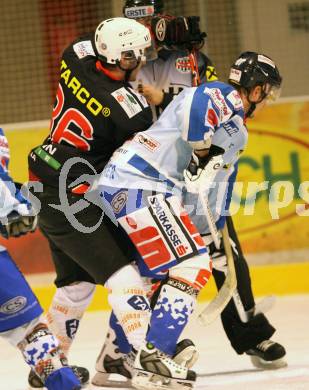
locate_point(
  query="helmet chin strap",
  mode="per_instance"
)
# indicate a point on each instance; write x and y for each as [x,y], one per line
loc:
[127,71]
[252,106]
[251,110]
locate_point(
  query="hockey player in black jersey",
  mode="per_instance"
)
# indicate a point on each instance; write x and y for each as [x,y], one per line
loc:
[95,111]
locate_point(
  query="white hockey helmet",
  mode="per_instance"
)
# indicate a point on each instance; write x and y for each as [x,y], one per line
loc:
[117,36]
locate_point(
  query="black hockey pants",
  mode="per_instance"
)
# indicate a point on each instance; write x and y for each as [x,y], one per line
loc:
[78,256]
[242,335]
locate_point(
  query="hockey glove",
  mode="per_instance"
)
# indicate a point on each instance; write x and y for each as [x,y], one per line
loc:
[201,171]
[178,32]
[18,225]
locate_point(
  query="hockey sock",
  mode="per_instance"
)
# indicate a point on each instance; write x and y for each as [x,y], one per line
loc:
[41,352]
[176,302]
[129,303]
[170,315]
[67,308]
[120,338]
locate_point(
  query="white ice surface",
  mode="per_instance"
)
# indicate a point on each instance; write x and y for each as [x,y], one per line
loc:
[219,367]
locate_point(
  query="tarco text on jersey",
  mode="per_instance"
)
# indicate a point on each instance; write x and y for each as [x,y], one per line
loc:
[80,92]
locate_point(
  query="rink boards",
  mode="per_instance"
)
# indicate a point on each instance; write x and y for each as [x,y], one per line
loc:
[279,280]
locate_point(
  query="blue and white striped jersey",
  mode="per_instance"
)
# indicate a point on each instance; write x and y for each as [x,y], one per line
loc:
[210,113]
[155,159]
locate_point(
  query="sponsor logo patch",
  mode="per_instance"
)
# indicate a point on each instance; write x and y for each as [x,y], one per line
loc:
[138,302]
[83,49]
[183,287]
[150,143]
[127,101]
[219,101]
[119,200]
[235,75]
[161,29]
[183,65]
[172,230]
[211,74]
[139,12]
[14,305]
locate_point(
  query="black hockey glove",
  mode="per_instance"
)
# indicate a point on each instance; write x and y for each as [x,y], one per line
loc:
[178,32]
[18,225]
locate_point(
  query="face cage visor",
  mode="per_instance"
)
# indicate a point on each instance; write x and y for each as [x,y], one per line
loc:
[272,92]
[133,58]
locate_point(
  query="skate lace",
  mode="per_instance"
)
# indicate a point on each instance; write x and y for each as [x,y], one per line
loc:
[264,345]
[166,358]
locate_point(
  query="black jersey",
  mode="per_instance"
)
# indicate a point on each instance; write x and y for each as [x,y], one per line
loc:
[93,114]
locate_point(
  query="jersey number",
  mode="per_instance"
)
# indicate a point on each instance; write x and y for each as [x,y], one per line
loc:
[62,132]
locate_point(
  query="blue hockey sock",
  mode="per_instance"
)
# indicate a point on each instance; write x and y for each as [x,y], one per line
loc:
[169,318]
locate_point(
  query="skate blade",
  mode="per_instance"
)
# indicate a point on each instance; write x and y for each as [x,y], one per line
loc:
[187,357]
[148,381]
[268,365]
[104,379]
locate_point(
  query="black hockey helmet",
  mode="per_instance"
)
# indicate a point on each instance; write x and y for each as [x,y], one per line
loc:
[252,69]
[142,8]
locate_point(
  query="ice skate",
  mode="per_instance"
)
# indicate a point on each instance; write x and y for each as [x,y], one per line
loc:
[35,381]
[114,368]
[186,353]
[156,370]
[268,355]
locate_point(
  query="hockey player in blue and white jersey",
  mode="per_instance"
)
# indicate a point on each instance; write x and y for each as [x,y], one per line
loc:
[20,312]
[160,80]
[198,138]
